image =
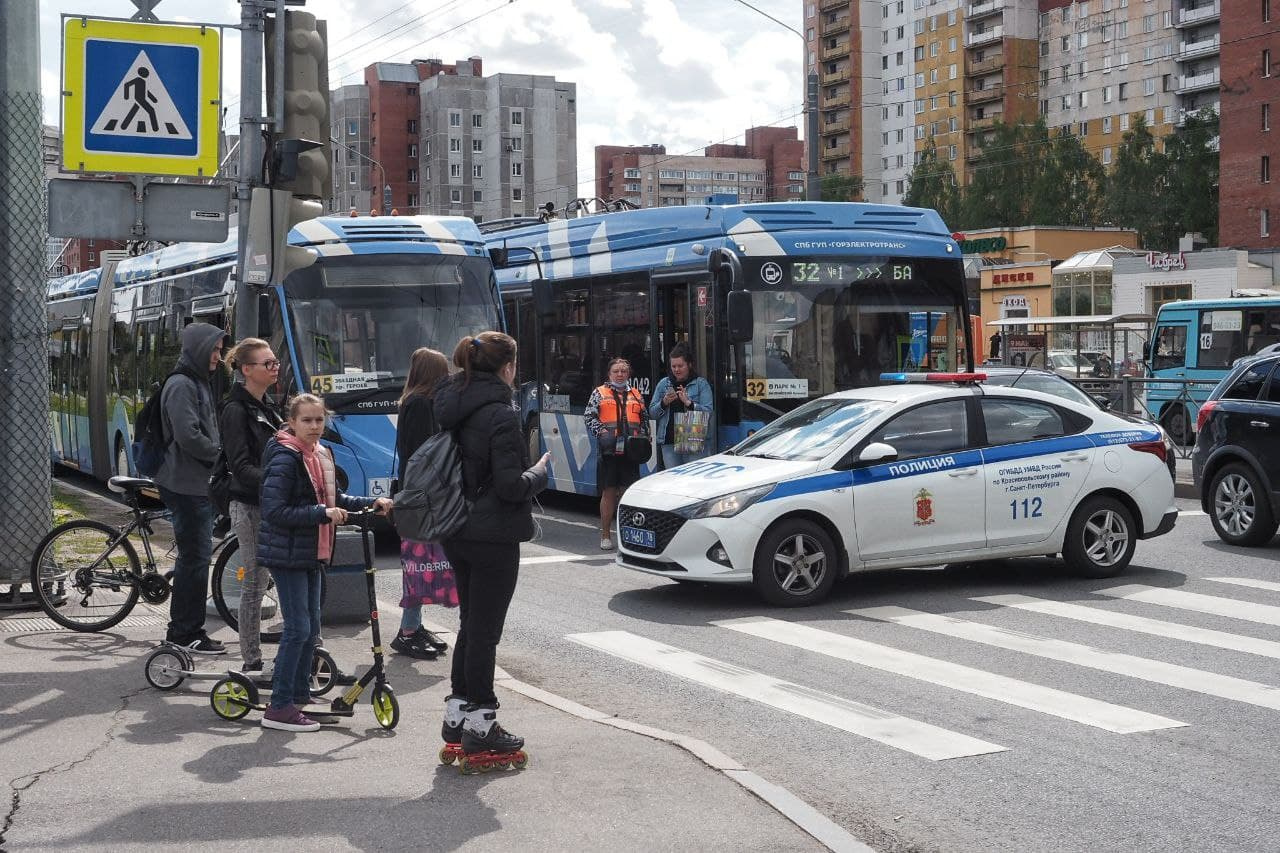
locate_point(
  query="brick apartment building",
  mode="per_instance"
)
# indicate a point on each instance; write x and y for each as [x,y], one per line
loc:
[448,140]
[1248,194]
[766,167]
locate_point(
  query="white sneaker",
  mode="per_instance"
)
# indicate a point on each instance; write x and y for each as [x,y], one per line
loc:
[606,544]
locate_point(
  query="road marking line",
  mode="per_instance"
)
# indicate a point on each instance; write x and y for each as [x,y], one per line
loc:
[1183,512]
[913,736]
[562,558]
[1173,675]
[558,520]
[1024,694]
[1247,611]
[33,702]
[1140,624]
[1249,582]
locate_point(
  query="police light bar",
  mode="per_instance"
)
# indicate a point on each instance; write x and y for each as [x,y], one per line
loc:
[906,378]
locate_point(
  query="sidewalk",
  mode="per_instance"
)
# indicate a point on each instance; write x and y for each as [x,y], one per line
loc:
[99,760]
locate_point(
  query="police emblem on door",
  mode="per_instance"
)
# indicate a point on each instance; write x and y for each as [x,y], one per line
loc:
[924,508]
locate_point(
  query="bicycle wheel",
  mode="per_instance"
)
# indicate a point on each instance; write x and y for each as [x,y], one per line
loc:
[79,584]
[228,581]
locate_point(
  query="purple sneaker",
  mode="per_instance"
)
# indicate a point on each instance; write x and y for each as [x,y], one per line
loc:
[289,719]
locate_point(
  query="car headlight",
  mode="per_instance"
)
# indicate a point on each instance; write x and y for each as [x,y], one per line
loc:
[725,506]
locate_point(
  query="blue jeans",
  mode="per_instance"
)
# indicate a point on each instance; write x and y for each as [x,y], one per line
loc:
[671,458]
[411,619]
[193,536]
[298,591]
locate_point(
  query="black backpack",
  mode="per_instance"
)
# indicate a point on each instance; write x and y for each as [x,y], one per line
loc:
[431,505]
[148,434]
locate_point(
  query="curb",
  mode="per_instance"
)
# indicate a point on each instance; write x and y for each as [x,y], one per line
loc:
[1187,490]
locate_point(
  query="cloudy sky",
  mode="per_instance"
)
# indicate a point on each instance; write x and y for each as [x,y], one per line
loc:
[683,73]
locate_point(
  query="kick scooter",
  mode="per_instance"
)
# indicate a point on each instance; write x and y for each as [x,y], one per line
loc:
[170,665]
[235,695]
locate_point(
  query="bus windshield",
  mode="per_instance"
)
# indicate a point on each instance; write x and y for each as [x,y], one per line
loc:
[358,319]
[829,324]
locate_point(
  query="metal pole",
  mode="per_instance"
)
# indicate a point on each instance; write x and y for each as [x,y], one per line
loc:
[251,121]
[814,189]
[25,513]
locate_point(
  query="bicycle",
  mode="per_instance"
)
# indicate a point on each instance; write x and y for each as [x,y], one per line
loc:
[86,574]
[227,579]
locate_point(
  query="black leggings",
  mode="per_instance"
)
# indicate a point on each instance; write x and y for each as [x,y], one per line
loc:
[486,574]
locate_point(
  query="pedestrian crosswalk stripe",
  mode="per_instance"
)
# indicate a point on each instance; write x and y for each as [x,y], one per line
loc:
[918,738]
[1140,624]
[1247,611]
[1272,586]
[1024,694]
[1173,675]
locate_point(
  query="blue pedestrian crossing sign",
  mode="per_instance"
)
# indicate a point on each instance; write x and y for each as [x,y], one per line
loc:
[140,98]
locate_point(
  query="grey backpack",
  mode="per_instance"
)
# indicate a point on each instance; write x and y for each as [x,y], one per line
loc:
[431,505]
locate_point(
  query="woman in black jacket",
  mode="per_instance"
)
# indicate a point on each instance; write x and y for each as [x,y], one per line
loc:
[415,423]
[248,421]
[485,553]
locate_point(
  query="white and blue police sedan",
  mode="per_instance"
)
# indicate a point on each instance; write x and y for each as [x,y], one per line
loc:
[933,469]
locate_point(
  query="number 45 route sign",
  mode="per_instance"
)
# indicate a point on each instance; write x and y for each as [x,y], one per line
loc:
[140,98]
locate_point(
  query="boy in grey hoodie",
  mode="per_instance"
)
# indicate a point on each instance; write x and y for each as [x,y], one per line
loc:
[189,414]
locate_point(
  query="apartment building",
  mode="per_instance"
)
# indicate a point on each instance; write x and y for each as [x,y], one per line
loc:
[1248,197]
[836,39]
[448,140]
[618,170]
[941,62]
[1001,68]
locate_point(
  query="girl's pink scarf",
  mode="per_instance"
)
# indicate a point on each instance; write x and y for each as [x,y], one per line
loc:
[324,479]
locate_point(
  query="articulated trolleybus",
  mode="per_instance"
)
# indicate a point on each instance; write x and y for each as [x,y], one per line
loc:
[343,328]
[780,303]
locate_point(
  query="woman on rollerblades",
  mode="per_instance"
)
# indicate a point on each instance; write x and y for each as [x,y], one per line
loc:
[485,553]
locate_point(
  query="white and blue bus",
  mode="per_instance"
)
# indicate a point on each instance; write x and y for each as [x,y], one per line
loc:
[779,302]
[343,328]
[1199,340]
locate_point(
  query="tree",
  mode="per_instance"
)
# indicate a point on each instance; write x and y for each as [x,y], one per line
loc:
[999,191]
[932,183]
[1190,198]
[1137,184]
[1069,183]
[841,187]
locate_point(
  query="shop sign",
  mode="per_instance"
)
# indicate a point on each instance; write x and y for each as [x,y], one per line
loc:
[1166,261]
[1016,302]
[1012,277]
[982,246]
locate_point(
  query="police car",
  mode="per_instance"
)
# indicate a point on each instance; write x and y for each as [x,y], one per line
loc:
[931,469]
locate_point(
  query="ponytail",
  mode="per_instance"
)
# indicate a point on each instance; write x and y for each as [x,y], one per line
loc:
[487,352]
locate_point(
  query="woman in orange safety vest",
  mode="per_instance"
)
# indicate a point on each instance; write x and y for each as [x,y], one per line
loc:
[614,413]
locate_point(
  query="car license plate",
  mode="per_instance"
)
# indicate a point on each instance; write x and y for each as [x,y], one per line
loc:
[639,536]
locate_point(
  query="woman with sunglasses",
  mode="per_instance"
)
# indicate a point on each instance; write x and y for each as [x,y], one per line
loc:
[248,421]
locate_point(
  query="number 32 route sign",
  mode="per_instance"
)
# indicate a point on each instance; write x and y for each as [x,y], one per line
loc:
[140,98]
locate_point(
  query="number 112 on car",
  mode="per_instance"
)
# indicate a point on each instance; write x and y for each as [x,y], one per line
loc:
[1027,508]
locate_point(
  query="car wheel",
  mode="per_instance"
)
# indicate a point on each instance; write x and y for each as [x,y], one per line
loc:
[1240,511]
[1176,422]
[1100,538]
[796,564]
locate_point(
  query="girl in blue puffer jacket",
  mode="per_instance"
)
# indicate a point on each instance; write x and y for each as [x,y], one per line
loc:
[300,505]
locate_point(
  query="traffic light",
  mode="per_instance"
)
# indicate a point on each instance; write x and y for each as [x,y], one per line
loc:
[306,105]
[272,213]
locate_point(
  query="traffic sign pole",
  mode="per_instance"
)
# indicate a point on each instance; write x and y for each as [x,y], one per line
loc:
[252,14]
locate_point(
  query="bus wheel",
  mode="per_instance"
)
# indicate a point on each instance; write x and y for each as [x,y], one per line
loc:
[1176,422]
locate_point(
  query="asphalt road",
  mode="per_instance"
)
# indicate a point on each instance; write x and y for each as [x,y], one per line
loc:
[1199,774]
[1143,719]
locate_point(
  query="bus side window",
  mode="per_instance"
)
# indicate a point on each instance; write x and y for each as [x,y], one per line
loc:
[567,358]
[1170,348]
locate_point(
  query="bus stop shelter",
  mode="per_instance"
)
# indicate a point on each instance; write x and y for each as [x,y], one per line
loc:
[1098,345]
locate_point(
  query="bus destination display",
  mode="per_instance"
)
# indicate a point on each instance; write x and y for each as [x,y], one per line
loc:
[833,272]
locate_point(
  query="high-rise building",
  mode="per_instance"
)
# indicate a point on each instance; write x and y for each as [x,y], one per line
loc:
[447,140]
[1248,198]
[835,40]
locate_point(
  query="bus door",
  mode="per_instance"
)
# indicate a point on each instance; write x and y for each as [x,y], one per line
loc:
[684,311]
[1166,402]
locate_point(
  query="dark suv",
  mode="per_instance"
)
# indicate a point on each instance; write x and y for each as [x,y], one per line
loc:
[1236,463]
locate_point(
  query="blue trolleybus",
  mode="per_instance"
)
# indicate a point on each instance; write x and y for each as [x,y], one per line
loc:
[1200,339]
[780,303]
[343,328]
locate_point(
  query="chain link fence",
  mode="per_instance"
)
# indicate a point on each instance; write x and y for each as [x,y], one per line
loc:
[25,513]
